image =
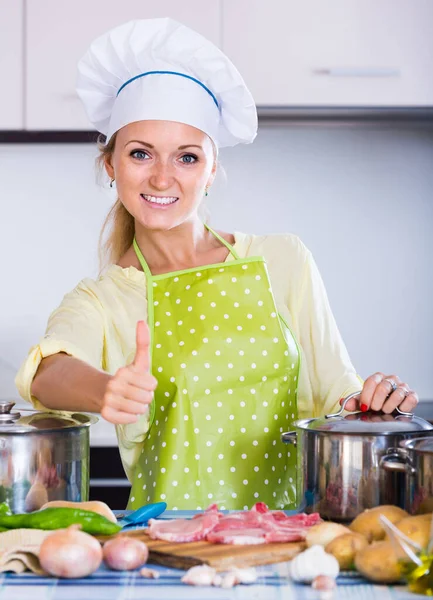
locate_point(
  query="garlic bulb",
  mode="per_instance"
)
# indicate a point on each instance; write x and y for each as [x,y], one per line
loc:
[313,562]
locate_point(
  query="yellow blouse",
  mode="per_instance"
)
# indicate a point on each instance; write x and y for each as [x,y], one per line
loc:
[96,323]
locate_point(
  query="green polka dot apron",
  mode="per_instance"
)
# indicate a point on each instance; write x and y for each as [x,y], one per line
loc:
[227,367]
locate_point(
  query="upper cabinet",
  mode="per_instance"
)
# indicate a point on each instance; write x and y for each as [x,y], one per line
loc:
[11,64]
[291,53]
[333,53]
[59,33]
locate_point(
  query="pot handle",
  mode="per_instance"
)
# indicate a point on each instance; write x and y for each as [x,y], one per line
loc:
[290,437]
[346,400]
[343,406]
[397,460]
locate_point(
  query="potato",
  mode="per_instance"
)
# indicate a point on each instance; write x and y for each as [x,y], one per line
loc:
[322,534]
[369,525]
[379,563]
[345,547]
[416,528]
[94,506]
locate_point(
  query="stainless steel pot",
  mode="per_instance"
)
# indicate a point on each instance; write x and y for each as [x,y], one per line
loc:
[339,473]
[43,456]
[414,458]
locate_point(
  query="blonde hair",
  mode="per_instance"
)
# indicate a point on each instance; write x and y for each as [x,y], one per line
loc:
[119,222]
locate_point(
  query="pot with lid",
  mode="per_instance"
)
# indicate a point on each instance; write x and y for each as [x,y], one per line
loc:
[339,461]
[414,458]
[43,456]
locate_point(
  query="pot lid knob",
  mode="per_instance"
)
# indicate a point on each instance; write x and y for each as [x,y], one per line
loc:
[5,411]
[6,406]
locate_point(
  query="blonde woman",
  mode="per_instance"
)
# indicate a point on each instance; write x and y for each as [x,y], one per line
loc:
[202,347]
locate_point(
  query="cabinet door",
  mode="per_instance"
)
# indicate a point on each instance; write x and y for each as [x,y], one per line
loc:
[59,33]
[11,64]
[363,52]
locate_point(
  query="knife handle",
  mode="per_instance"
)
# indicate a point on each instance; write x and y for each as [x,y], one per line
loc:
[146,512]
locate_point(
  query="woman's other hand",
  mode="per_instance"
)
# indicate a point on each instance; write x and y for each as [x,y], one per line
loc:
[385,393]
[130,391]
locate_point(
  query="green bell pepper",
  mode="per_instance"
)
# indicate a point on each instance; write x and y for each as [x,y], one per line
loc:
[59,518]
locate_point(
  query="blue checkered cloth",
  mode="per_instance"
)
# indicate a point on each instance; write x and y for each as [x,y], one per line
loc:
[273,583]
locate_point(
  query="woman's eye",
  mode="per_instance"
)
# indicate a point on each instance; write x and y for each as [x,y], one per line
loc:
[140,154]
[189,159]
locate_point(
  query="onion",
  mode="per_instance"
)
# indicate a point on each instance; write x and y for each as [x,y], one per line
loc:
[70,553]
[124,553]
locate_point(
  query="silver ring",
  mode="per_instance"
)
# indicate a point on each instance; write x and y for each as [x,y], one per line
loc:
[394,386]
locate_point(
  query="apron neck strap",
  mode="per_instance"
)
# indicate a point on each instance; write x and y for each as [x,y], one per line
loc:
[223,241]
[214,233]
[142,260]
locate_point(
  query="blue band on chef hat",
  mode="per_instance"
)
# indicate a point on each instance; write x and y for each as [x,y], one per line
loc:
[169,73]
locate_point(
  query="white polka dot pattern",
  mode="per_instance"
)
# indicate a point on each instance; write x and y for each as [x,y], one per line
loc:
[224,364]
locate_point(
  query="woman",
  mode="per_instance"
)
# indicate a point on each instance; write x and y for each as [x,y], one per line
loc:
[201,347]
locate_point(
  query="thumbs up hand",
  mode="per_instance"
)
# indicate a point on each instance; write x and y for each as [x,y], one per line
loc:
[130,390]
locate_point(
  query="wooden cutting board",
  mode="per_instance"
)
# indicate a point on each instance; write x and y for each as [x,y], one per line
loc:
[219,556]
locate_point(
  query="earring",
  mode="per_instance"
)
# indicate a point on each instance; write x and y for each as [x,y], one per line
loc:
[206,193]
[111,183]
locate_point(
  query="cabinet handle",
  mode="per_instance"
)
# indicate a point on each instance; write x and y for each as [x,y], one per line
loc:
[358,72]
[109,483]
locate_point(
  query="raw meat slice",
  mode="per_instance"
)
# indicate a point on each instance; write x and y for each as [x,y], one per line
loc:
[300,519]
[211,510]
[256,526]
[281,535]
[239,537]
[237,520]
[183,530]
[260,525]
[260,507]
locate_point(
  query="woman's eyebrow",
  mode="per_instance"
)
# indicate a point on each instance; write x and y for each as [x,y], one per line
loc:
[190,146]
[138,142]
[150,145]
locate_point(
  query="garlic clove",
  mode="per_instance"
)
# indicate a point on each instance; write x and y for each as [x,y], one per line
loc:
[199,575]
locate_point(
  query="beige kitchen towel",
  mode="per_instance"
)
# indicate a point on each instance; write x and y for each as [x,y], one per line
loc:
[19,550]
[15,566]
[18,562]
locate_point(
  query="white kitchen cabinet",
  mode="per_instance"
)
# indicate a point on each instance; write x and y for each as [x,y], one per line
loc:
[11,64]
[333,53]
[59,33]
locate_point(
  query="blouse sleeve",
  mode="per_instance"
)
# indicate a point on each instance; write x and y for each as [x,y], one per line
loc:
[76,327]
[330,371]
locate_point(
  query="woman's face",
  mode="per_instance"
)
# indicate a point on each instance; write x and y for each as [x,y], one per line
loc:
[161,170]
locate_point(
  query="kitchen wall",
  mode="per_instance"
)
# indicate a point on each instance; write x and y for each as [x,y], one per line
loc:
[360,196]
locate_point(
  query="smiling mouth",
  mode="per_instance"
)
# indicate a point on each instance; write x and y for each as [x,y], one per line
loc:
[159,200]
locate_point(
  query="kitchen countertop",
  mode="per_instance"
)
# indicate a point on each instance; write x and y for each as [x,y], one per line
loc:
[273,583]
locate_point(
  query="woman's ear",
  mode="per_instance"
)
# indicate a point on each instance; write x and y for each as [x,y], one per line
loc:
[109,167]
[212,174]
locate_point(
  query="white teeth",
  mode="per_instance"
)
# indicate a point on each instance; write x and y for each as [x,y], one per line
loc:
[167,200]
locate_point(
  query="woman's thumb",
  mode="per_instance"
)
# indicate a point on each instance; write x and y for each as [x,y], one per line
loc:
[142,352]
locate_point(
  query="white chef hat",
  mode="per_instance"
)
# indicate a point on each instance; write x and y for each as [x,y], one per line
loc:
[158,69]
